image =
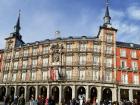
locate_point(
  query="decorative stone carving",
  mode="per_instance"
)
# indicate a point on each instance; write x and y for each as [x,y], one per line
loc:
[56,51]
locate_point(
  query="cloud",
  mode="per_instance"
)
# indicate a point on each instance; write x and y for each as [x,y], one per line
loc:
[134,12]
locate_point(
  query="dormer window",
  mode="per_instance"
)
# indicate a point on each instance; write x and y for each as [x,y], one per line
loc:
[83,47]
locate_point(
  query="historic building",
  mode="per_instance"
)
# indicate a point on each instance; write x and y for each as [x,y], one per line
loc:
[97,68]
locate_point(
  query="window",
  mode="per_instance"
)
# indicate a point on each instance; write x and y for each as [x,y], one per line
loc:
[95,75]
[7,65]
[34,63]
[108,50]
[69,47]
[25,53]
[33,76]
[14,77]
[8,55]
[109,38]
[34,51]
[45,61]
[5,77]
[15,65]
[123,64]
[136,79]
[133,54]
[16,54]
[108,76]
[96,48]
[44,75]
[45,50]
[24,64]
[108,62]
[82,60]
[125,78]
[23,76]
[96,60]
[68,74]
[68,60]
[83,47]
[123,53]
[134,65]
[82,75]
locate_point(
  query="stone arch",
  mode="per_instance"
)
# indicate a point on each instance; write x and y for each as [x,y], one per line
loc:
[93,94]
[2,93]
[81,92]
[43,91]
[67,94]
[21,91]
[55,94]
[107,95]
[32,92]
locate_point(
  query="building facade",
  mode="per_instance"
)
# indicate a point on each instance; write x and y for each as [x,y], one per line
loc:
[97,68]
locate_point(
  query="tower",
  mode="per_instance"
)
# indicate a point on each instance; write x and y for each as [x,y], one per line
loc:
[15,38]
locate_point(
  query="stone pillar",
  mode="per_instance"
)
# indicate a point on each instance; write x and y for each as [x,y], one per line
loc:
[87,92]
[48,91]
[25,93]
[73,91]
[119,96]
[99,94]
[60,94]
[15,93]
[36,92]
[114,94]
[6,87]
[130,95]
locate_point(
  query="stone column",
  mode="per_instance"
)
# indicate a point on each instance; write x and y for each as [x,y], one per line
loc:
[15,93]
[99,93]
[73,91]
[36,92]
[25,93]
[114,94]
[119,96]
[6,87]
[60,94]
[48,91]
[130,95]
[87,92]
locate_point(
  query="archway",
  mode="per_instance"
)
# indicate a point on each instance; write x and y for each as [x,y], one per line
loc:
[21,91]
[12,92]
[55,94]
[107,95]
[136,96]
[43,91]
[2,93]
[31,92]
[93,94]
[81,92]
[124,94]
[67,94]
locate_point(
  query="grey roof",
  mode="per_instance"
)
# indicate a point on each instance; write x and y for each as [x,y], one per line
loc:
[127,45]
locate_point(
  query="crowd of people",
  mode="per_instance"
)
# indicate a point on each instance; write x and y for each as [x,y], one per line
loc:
[41,100]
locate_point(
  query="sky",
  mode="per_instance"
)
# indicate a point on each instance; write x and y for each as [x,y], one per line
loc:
[40,19]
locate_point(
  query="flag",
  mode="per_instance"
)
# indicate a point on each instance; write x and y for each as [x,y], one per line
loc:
[52,74]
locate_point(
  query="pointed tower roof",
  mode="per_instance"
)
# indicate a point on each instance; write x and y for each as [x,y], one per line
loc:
[107,17]
[17,26]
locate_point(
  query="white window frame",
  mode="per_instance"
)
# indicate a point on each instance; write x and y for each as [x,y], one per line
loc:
[45,75]
[81,74]
[83,47]
[82,60]
[123,52]
[109,50]
[16,65]
[14,76]
[45,49]
[125,64]
[5,76]
[34,51]
[109,38]
[33,75]
[108,76]
[69,47]
[109,62]
[96,48]
[95,75]
[34,62]
[45,61]
[68,60]
[124,78]
[133,54]
[23,76]
[24,64]
[134,65]
[136,79]
[25,52]
[96,60]
[69,74]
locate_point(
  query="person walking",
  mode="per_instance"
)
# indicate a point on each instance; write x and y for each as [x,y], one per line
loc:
[21,100]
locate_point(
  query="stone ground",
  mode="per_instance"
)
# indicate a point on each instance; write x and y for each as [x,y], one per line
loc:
[1,103]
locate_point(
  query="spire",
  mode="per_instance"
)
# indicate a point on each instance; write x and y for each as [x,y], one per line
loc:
[107,17]
[17,26]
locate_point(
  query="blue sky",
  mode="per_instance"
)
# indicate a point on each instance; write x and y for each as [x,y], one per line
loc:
[41,18]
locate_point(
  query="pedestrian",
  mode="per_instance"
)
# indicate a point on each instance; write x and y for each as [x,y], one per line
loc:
[21,100]
[15,102]
[46,101]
